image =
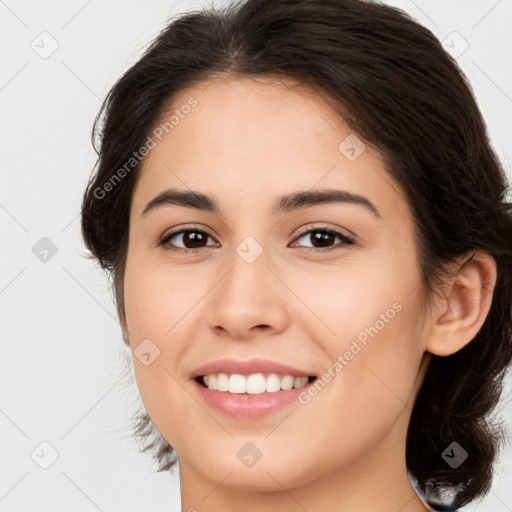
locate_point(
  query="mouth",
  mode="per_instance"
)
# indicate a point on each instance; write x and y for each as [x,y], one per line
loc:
[253,384]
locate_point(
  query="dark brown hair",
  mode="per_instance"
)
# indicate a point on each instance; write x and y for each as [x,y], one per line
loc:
[391,80]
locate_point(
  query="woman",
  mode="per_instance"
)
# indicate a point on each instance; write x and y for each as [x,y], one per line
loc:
[311,252]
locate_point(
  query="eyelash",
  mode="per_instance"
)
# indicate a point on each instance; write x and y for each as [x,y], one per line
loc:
[164,241]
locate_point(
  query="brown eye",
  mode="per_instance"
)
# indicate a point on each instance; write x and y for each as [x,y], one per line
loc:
[322,238]
[191,239]
[194,240]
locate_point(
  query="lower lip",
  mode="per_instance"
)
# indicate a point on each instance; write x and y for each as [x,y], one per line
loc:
[248,407]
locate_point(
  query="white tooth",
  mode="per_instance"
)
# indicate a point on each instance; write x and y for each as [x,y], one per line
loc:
[256,384]
[212,381]
[287,382]
[273,383]
[237,383]
[223,382]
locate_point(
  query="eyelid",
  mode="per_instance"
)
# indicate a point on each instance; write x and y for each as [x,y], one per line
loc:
[346,239]
[324,227]
[162,241]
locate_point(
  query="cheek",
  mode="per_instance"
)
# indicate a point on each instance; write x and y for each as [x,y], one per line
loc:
[373,313]
[153,299]
[153,310]
[375,364]
[159,306]
[359,296]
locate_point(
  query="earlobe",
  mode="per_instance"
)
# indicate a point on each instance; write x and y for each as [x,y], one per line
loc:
[458,317]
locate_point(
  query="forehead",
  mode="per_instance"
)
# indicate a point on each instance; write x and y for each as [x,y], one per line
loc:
[246,140]
[256,113]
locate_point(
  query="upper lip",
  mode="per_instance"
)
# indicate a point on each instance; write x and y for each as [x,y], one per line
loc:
[248,367]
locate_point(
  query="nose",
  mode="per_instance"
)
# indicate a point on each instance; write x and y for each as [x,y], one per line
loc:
[249,300]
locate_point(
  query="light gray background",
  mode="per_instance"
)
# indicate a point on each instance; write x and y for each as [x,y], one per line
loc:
[60,364]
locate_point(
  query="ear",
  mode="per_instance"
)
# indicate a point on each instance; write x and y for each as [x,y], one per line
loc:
[459,315]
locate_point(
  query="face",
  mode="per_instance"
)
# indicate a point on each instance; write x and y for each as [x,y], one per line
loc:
[330,288]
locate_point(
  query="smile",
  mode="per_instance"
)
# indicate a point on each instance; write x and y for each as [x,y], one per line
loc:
[254,384]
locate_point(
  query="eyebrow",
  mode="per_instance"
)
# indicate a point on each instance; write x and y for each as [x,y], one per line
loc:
[283,204]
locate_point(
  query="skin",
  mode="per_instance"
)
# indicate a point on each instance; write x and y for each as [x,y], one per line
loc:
[245,143]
